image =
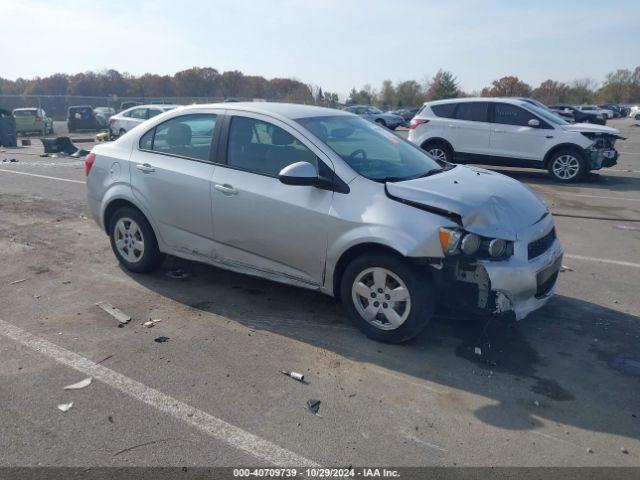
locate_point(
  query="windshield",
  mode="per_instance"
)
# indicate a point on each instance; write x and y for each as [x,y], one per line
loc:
[547,115]
[371,150]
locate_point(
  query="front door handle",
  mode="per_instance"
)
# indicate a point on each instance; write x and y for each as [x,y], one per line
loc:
[145,168]
[226,189]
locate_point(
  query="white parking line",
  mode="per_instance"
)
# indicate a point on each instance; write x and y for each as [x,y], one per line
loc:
[594,196]
[603,260]
[205,422]
[42,176]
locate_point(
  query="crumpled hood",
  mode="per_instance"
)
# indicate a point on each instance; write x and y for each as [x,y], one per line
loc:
[591,128]
[489,204]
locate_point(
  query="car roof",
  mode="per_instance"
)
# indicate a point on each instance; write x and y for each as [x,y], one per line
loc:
[287,110]
[511,100]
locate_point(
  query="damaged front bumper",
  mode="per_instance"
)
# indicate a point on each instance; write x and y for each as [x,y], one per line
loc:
[517,286]
[601,158]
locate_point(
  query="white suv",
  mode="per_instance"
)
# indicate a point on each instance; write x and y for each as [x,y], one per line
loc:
[506,131]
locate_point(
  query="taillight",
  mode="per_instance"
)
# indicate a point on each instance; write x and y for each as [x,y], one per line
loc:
[88,162]
[416,121]
[38,119]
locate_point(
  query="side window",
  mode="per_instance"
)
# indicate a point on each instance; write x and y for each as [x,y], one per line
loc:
[153,112]
[186,136]
[512,115]
[146,142]
[139,113]
[472,111]
[444,110]
[261,147]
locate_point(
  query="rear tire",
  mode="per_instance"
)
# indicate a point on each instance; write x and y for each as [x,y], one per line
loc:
[133,241]
[567,165]
[387,298]
[439,150]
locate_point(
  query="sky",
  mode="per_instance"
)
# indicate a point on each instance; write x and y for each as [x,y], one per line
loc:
[336,44]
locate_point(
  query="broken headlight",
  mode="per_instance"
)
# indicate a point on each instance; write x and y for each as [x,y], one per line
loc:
[455,241]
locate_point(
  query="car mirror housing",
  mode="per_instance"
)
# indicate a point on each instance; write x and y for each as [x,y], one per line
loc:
[299,173]
[535,123]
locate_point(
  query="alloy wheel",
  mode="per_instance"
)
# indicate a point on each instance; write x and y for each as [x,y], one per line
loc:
[566,167]
[438,153]
[129,240]
[381,298]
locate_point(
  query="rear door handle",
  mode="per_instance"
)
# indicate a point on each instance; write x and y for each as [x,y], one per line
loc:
[226,189]
[145,168]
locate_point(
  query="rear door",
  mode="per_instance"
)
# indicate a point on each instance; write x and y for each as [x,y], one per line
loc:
[171,172]
[135,117]
[469,130]
[259,222]
[512,137]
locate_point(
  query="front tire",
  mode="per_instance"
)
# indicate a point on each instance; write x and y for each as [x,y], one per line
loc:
[387,298]
[133,241]
[439,150]
[567,165]
[382,123]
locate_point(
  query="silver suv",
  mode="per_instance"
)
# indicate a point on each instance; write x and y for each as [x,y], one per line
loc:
[323,199]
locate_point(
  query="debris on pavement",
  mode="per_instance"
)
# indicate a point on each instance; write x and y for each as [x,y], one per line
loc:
[295,375]
[64,407]
[59,145]
[564,268]
[624,450]
[81,384]
[151,323]
[114,312]
[161,339]
[628,228]
[590,450]
[18,281]
[313,406]
[177,273]
[104,359]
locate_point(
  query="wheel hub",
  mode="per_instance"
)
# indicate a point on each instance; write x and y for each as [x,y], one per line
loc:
[374,284]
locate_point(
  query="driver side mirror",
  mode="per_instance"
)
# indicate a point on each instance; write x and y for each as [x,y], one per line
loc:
[535,123]
[299,173]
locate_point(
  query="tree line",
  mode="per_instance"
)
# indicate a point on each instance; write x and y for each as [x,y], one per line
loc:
[193,82]
[621,86]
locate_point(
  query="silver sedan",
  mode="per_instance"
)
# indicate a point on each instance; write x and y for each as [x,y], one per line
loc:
[323,199]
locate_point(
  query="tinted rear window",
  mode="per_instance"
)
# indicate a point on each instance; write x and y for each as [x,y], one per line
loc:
[81,110]
[445,110]
[25,113]
[472,111]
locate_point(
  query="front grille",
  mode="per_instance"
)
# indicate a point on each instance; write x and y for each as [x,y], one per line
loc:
[541,245]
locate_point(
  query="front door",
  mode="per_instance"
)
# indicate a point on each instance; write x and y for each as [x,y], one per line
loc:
[512,137]
[171,176]
[260,223]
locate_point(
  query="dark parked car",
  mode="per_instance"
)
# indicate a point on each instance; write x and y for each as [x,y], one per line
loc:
[406,113]
[81,117]
[617,111]
[579,116]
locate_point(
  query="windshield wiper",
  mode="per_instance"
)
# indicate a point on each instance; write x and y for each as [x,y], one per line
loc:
[411,177]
